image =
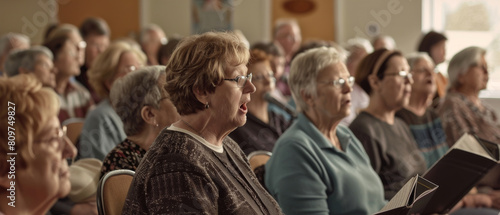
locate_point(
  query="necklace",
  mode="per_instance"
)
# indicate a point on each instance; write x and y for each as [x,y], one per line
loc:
[191,127]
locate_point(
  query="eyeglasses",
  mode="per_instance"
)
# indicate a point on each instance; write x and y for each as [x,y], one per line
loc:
[81,45]
[240,80]
[340,83]
[269,77]
[403,74]
[484,68]
[61,134]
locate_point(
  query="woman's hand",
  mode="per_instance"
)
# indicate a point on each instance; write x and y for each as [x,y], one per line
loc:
[495,198]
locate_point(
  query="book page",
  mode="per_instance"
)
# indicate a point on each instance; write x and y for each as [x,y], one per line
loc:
[401,198]
[469,143]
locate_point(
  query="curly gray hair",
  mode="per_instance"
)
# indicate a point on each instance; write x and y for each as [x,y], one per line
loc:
[25,59]
[132,92]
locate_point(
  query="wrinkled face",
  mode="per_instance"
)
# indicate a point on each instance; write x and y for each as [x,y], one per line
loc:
[46,176]
[289,38]
[45,71]
[476,78]
[128,62]
[167,113]
[263,79]
[332,101]
[229,101]
[438,52]
[96,44]
[424,78]
[394,89]
[67,60]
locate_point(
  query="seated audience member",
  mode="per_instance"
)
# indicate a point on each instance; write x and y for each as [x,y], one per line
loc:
[41,167]
[68,47]
[383,41]
[144,107]
[358,48]
[263,127]
[36,60]
[166,51]
[103,129]
[434,44]
[318,166]
[462,111]
[193,167]
[152,37]
[387,140]
[11,42]
[287,34]
[277,55]
[95,33]
[424,122]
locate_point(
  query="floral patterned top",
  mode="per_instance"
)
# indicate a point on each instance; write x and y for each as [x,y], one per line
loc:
[126,155]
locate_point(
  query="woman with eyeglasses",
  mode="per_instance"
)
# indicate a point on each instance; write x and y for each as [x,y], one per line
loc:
[462,111]
[193,167]
[387,140]
[34,151]
[422,119]
[143,105]
[103,128]
[263,127]
[318,166]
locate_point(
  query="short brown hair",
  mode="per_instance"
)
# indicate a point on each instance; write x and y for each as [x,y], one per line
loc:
[199,62]
[34,106]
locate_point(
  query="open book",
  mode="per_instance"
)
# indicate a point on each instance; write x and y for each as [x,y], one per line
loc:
[459,170]
[411,199]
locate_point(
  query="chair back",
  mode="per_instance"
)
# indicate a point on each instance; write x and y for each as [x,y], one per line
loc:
[258,158]
[73,128]
[112,191]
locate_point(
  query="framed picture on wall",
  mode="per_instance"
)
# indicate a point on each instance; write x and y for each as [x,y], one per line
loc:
[211,15]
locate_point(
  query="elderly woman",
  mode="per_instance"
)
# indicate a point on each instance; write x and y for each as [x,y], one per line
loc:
[36,60]
[393,153]
[424,122]
[434,44]
[263,127]
[358,49]
[34,174]
[462,111]
[193,167]
[318,166]
[140,100]
[68,47]
[103,129]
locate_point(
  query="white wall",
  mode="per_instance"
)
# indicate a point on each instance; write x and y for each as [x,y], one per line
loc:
[28,17]
[252,17]
[400,19]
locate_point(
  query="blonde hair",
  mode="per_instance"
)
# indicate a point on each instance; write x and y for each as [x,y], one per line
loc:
[34,107]
[105,66]
[199,62]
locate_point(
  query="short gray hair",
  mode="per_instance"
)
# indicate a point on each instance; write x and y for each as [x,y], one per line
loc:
[415,57]
[25,59]
[6,41]
[461,62]
[305,68]
[132,92]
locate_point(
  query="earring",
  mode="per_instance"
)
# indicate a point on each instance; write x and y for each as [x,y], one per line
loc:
[206,105]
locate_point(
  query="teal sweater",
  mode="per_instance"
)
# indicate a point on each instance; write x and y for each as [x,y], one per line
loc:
[308,175]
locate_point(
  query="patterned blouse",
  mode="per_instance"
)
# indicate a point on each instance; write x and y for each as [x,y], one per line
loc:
[459,116]
[126,155]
